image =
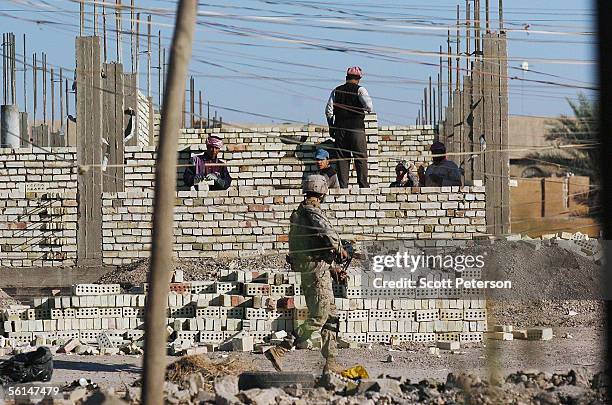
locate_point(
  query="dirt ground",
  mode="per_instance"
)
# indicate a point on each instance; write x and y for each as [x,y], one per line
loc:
[584,349]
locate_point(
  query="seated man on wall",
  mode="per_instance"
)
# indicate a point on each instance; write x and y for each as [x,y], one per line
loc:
[405,175]
[325,168]
[208,167]
[441,172]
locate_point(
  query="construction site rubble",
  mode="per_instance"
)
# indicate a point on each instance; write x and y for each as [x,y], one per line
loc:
[529,386]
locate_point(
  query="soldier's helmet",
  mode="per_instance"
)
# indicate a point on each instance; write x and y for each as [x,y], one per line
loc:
[315,184]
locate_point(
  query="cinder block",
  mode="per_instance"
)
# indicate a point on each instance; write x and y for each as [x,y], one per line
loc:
[503,328]
[243,344]
[70,346]
[498,336]
[448,345]
[178,276]
[520,334]
[196,350]
[539,334]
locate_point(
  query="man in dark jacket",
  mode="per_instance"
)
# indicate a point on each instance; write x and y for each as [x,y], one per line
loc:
[345,110]
[208,167]
[442,172]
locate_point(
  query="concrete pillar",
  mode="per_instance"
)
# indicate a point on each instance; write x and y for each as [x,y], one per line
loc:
[24,130]
[9,126]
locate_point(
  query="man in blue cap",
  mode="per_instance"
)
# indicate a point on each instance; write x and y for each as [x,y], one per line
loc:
[325,168]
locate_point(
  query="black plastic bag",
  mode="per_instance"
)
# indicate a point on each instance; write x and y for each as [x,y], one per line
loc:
[28,367]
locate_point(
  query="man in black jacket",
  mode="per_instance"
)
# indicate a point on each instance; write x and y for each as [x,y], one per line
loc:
[345,110]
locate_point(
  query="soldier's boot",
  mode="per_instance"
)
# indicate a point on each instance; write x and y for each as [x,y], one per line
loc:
[276,354]
[332,366]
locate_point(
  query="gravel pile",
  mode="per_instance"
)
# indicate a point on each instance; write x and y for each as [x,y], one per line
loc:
[552,286]
[136,272]
[6,300]
[552,313]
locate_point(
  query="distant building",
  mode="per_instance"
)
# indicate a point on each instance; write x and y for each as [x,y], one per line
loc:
[527,132]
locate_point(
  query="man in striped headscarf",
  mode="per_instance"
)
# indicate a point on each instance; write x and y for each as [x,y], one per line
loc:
[208,167]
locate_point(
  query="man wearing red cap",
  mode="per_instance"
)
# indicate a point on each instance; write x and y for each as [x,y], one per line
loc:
[441,172]
[345,111]
[209,167]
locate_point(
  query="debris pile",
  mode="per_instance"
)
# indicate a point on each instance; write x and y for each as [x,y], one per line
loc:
[577,386]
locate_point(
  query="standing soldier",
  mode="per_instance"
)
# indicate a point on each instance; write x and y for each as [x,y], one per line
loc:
[345,110]
[313,246]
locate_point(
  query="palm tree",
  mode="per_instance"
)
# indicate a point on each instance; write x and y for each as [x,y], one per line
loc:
[581,129]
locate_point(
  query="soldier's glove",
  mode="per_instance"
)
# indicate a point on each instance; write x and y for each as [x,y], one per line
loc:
[211,176]
[330,121]
[339,274]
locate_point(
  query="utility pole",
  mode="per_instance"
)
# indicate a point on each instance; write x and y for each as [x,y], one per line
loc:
[154,364]
[52,82]
[160,90]
[439,97]
[458,49]
[104,31]
[4,78]
[450,69]
[25,72]
[432,116]
[501,15]
[433,107]
[44,87]
[61,94]
[200,105]
[149,55]
[440,76]
[95,20]
[81,17]
[35,98]
[487,17]
[426,114]
[132,50]
[118,29]
[137,46]
[192,101]
[468,27]
[477,26]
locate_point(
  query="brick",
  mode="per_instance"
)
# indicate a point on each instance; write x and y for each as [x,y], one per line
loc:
[70,346]
[196,350]
[519,334]
[448,345]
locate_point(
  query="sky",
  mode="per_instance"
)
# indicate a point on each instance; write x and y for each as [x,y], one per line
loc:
[262,61]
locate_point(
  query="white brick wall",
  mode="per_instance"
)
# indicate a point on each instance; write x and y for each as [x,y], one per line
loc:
[38,207]
[246,222]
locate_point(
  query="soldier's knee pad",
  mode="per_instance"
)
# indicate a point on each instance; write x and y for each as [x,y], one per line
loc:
[332,324]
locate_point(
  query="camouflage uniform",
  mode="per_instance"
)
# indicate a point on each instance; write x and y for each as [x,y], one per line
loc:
[313,244]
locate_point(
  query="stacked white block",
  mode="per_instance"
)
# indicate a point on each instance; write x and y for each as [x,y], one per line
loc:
[255,303]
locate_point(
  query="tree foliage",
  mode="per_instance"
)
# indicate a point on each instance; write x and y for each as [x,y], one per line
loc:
[581,129]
